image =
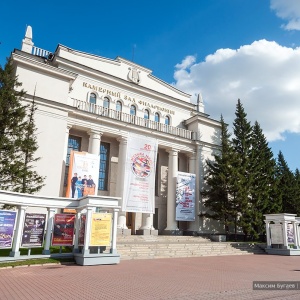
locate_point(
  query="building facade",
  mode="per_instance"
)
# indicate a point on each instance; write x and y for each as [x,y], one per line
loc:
[90,103]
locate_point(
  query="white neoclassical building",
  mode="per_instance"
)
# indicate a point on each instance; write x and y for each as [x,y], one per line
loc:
[90,103]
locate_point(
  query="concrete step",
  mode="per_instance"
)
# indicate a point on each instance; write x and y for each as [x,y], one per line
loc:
[151,247]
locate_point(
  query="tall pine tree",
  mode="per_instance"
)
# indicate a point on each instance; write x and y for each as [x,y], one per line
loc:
[286,185]
[220,180]
[242,145]
[17,141]
[264,183]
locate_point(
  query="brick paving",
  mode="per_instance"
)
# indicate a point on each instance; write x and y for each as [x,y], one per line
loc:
[217,277]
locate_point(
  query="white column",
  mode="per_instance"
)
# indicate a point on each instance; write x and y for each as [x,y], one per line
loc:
[51,213]
[120,180]
[147,221]
[77,228]
[194,168]
[285,238]
[295,230]
[87,233]
[94,141]
[113,249]
[15,251]
[268,234]
[171,197]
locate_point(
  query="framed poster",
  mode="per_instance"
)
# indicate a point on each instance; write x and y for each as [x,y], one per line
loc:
[101,229]
[7,224]
[63,230]
[33,230]
[81,230]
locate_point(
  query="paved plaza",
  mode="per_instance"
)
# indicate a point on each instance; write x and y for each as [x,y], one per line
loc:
[218,277]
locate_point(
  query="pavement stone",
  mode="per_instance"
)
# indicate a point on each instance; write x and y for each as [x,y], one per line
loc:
[213,277]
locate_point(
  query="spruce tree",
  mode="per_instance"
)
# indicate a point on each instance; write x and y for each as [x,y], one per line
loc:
[219,180]
[264,184]
[286,186]
[297,195]
[17,142]
[29,181]
[242,145]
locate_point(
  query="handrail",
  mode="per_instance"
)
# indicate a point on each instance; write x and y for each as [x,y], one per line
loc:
[127,118]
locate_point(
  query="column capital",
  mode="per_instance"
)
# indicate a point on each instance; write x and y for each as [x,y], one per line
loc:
[173,151]
[122,139]
[95,132]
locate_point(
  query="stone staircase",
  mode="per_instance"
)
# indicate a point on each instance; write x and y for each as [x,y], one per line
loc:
[152,247]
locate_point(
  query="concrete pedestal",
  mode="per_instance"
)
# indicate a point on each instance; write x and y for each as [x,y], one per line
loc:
[96,259]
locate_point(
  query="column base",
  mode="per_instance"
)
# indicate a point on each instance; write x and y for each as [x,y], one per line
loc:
[123,231]
[172,232]
[14,254]
[146,232]
[46,252]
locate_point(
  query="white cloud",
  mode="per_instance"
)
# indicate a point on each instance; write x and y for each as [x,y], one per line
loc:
[288,10]
[264,75]
[187,62]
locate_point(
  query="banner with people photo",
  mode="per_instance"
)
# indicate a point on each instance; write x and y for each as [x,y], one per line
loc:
[63,230]
[7,224]
[139,177]
[83,174]
[185,196]
[33,230]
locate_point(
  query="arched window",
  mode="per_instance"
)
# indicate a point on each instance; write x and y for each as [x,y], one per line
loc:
[167,120]
[132,110]
[156,117]
[119,106]
[93,98]
[146,114]
[106,102]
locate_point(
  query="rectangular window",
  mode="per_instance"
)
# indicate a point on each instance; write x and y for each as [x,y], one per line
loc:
[74,143]
[104,166]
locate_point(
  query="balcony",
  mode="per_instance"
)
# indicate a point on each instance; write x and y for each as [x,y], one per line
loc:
[127,118]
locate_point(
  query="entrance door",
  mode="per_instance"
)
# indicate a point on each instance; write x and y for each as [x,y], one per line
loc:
[130,221]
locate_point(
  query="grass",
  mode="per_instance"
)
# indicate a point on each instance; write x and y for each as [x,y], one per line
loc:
[37,251]
[38,261]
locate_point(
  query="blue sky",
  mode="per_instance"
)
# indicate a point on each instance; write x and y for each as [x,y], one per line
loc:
[225,49]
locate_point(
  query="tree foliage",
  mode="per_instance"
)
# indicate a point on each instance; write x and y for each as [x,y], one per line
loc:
[244,181]
[17,136]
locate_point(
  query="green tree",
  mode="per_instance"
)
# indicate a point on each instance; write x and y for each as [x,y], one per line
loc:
[17,141]
[242,144]
[297,187]
[263,186]
[219,180]
[286,185]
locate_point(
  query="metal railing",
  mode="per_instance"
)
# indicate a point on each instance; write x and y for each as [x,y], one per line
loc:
[40,52]
[127,118]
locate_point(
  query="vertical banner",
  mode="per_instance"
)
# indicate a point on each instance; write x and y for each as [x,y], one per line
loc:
[81,230]
[185,196]
[139,177]
[7,224]
[63,230]
[290,234]
[83,174]
[33,230]
[101,229]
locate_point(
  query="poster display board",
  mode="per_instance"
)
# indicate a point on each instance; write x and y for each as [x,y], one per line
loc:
[139,179]
[7,224]
[63,230]
[276,233]
[81,230]
[185,196]
[83,174]
[101,229]
[33,230]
